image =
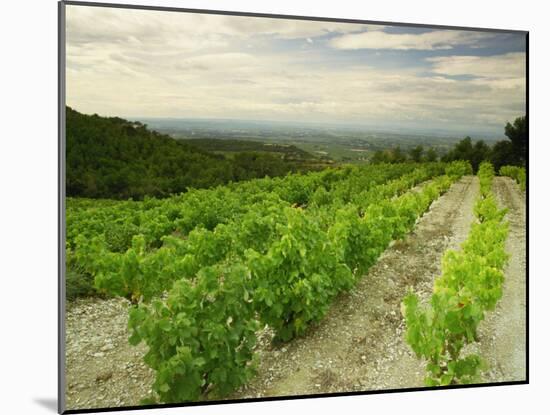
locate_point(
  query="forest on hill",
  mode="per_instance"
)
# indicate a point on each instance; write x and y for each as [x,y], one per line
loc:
[110,157]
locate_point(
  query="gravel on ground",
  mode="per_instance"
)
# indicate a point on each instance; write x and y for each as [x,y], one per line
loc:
[102,368]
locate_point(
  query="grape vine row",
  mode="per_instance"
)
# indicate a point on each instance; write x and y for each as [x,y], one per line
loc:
[516,173]
[470,285]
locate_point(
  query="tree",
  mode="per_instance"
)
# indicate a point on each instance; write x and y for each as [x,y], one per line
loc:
[431,155]
[392,155]
[480,152]
[517,133]
[381,156]
[502,154]
[464,150]
[416,153]
[514,150]
[461,151]
[397,155]
[507,152]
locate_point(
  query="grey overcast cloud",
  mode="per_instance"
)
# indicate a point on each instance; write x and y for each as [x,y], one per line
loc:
[137,63]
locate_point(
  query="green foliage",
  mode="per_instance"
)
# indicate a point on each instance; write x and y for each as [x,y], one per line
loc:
[458,168]
[486,209]
[473,153]
[469,286]
[202,277]
[416,153]
[118,159]
[517,133]
[486,173]
[431,155]
[502,154]
[106,228]
[516,173]
[202,336]
[507,152]
[295,281]
[393,155]
[302,271]
[78,284]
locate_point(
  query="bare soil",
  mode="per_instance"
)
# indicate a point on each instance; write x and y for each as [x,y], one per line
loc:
[102,368]
[359,345]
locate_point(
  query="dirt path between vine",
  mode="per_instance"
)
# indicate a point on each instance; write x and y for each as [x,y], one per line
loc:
[360,344]
[503,332]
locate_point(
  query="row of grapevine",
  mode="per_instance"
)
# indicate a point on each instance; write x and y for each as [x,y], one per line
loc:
[154,218]
[469,286]
[145,271]
[302,271]
[201,334]
[117,223]
[517,173]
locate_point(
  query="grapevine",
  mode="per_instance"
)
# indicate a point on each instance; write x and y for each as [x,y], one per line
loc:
[470,285]
[517,173]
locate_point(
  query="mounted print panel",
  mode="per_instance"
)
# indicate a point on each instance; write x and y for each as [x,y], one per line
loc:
[260,206]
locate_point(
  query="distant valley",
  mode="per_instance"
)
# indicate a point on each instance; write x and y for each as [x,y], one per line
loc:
[324,142]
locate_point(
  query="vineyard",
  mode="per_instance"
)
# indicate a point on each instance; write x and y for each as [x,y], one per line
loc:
[470,285]
[516,173]
[211,273]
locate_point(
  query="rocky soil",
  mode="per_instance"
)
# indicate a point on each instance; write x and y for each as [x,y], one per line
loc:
[102,368]
[360,344]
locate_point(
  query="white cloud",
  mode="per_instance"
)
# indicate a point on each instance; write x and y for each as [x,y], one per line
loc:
[439,39]
[505,66]
[158,27]
[134,63]
[281,28]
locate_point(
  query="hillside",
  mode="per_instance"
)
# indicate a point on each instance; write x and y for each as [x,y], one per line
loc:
[109,157]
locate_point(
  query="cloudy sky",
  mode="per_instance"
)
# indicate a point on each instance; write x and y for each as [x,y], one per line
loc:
[136,63]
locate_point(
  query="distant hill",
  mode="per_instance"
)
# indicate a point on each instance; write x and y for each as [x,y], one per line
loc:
[110,157]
